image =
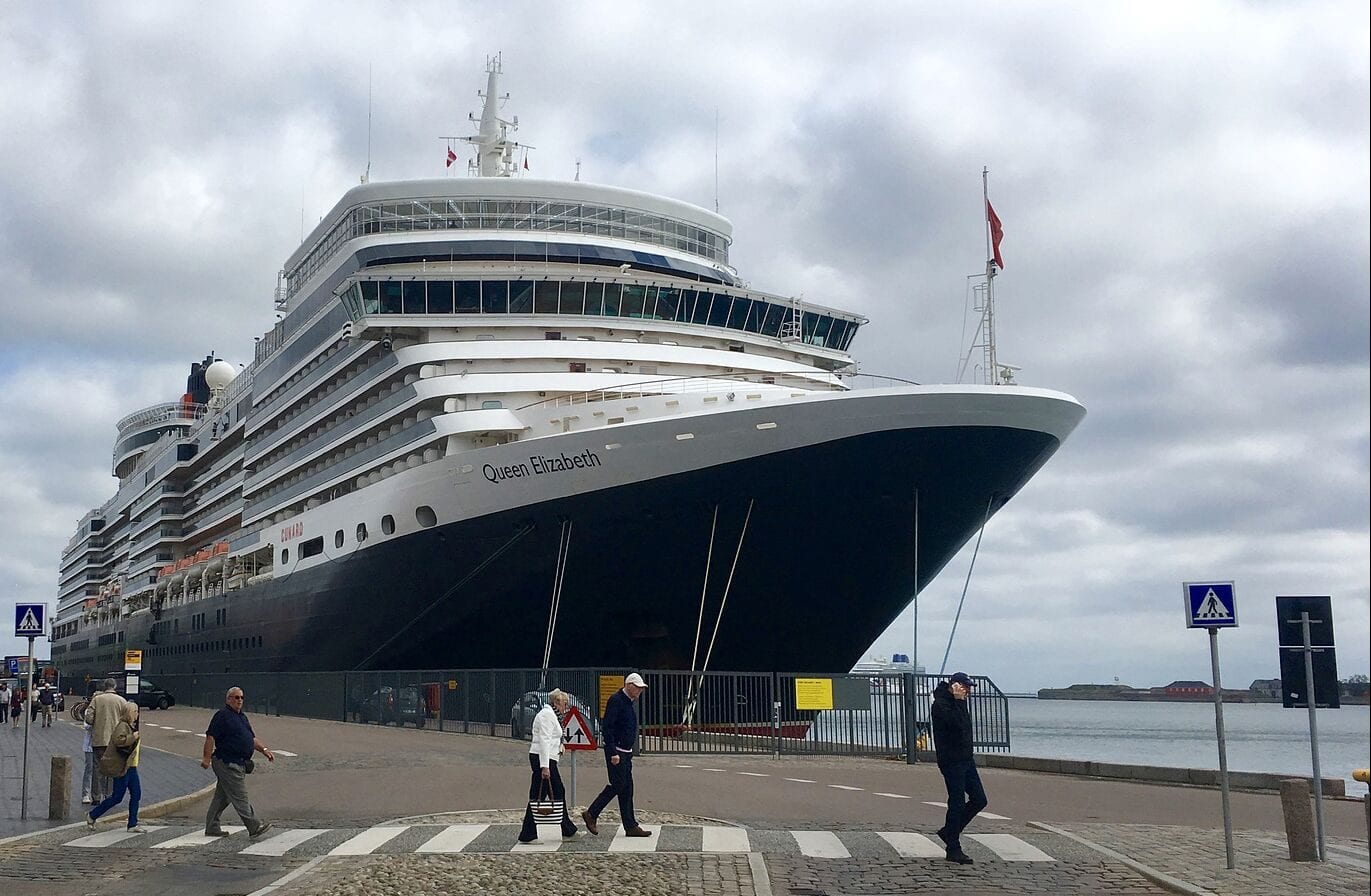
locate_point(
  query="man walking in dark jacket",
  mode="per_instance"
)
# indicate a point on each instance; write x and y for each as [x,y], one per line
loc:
[619,729]
[952,738]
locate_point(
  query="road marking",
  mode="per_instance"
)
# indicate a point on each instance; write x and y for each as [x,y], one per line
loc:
[180,731]
[724,839]
[821,845]
[711,769]
[800,780]
[453,838]
[624,843]
[685,766]
[109,838]
[754,774]
[364,843]
[894,796]
[539,845]
[843,787]
[284,842]
[198,838]
[1011,848]
[989,816]
[284,753]
[912,846]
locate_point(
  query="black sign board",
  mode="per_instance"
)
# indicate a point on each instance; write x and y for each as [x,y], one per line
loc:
[1320,610]
[1294,688]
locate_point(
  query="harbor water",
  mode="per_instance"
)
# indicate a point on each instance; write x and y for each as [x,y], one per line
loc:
[1261,737]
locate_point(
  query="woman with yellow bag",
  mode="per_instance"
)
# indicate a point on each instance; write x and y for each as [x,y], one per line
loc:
[121,763]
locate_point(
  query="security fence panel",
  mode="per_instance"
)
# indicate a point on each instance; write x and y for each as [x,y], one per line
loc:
[707,712]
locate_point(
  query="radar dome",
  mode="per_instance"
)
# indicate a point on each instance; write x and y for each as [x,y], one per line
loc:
[219,374]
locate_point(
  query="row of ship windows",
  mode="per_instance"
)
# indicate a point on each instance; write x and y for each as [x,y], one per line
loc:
[629,300]
[207,646]
[424,515]
[492,214]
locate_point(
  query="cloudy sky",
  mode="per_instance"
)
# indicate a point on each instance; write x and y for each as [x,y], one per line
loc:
[1184,191]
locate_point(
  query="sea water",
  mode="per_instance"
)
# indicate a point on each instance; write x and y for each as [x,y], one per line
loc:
[1261,737]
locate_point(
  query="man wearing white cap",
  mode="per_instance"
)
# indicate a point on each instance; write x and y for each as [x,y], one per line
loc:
[619,728]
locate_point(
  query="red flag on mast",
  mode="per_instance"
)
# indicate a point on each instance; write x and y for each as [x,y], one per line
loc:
[451,157]
[996,233]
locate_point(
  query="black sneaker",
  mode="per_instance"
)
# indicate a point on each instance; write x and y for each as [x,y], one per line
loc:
[960,858]
[216,832]
[261,829]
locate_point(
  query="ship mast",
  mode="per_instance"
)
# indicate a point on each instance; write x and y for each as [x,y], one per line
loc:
[982,285]
[494,148]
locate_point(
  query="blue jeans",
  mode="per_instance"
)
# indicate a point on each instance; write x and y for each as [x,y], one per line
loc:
[965,797]
[134,787]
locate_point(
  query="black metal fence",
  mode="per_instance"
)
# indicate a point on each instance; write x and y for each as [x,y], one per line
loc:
[680,712]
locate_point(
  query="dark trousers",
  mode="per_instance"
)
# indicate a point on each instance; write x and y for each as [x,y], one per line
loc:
[965,797]
[620,785]
[537,790]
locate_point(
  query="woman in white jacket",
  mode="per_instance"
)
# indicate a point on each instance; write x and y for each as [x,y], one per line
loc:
[542,760]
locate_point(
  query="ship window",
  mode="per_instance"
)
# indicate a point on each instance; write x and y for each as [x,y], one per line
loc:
[545,297]
[440,297]
[573,298]
[391,297]
[468,298]
[611,300]
[491,404]
[425,516]
[495,296]
[632,305]
[387,525]
[285,556]
[361,532]
[595,298]
[718,310]
[520,296]
[312,548]
[414,297]
[338,538]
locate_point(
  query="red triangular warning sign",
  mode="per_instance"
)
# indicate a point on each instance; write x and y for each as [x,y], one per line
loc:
[576,733]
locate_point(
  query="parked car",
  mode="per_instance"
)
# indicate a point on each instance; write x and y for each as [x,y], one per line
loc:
[526,707]
[149,695]
[394,706]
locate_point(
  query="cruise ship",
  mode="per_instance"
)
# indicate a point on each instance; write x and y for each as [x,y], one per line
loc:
[507,422]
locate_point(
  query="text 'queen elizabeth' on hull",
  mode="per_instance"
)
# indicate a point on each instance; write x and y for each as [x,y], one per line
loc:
[493,396]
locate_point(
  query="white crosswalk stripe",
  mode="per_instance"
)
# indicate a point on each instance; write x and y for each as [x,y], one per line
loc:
[820,845]
[723,839]
[913,846]
[989,816]
[196,838]
[109,838]
[1011,848]
[284,753]
[542,844]
[453,838]
[371,839]
[624,843]
[284,842]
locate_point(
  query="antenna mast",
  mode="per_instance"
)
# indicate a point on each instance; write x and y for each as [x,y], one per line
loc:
[982,287]
[991,370]
[366,175]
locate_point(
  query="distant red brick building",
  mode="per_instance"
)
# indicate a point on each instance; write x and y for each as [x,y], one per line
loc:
[1189,689]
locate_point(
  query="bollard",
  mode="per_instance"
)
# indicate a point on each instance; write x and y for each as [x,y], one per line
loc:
[1364,775]
[1299,820]
[59,789]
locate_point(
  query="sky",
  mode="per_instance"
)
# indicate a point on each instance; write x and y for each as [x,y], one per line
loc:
[1183,188]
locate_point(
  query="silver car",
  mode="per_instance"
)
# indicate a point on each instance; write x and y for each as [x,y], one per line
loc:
[526,707]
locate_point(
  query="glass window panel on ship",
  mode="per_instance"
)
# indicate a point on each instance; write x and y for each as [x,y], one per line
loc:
[545,297]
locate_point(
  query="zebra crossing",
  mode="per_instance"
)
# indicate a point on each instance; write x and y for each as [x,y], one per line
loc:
[496,838]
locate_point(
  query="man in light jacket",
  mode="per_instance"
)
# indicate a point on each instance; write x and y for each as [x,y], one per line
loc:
[104,712]
[543,754]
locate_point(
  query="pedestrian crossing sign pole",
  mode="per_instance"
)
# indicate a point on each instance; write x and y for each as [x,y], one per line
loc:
[30,621]
[1213,605]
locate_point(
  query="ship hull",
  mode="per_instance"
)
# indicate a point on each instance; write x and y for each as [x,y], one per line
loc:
[801,558]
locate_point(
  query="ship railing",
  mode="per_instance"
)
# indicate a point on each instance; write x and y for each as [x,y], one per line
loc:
[166,412]
[723,383]
[846,714]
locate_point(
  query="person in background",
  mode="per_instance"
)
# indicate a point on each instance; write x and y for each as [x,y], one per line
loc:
[542,759]
[16,705]
[4,700]
[952,739]
[620,730]
[229,745]
[91,779]
[125,733]
[47,702]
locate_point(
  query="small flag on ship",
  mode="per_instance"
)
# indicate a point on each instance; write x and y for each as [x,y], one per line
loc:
[451,157]
[996,233]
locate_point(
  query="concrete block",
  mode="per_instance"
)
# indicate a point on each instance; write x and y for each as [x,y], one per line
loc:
[1334,787]
[1254,781]
[1035,764]
[59,789]
[1204,777]
[1299,820]
[1115,770]
[1075,767]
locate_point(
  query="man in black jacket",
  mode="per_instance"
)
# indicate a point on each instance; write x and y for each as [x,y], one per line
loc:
[619,728]
[952,738]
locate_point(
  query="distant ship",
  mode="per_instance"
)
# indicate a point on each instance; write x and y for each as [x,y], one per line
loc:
[505,422]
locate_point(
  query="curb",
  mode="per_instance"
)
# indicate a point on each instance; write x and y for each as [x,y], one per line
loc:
[1166,881]
[154,811]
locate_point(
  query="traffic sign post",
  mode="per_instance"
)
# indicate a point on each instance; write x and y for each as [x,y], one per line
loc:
[1213,605]
[1305,626]
[30,621]
[576,736]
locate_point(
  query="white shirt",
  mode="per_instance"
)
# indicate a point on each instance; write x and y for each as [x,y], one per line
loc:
[547,736]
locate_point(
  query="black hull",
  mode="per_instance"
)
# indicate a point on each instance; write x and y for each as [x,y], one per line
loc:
[827,562]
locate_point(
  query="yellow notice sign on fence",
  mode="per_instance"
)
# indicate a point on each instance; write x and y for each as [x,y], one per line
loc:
[813,693]
[608,685]
[133,660]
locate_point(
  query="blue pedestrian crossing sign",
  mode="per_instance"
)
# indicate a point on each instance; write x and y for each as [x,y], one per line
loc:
[1210,605]
[29,619]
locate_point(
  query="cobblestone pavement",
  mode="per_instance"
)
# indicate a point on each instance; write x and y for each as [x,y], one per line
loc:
[1197,857]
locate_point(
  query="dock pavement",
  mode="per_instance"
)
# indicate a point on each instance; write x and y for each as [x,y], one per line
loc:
[379,811]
